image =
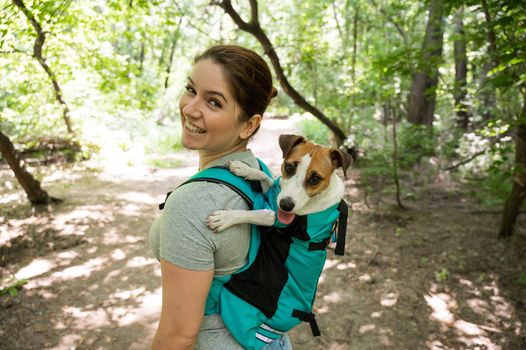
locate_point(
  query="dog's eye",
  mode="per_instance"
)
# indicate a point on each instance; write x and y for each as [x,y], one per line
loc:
[314,179]
[290,168]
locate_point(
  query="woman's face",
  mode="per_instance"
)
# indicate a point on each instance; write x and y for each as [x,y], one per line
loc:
[209,112]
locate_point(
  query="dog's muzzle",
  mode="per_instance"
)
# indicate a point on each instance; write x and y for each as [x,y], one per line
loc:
[286,204]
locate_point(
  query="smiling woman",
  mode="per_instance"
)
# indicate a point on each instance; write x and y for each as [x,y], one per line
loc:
[210,114]
[226,94]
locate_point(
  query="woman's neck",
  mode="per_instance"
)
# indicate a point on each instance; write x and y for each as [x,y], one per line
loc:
[205,158]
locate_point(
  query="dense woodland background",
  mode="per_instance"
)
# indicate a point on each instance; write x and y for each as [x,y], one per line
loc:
[416,90]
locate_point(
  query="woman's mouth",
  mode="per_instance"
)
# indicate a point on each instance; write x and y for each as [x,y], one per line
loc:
[193,129]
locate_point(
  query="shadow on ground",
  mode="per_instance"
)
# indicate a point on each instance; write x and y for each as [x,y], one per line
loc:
[432,277]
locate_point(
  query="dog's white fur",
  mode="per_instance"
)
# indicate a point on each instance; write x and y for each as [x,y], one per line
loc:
[292,187]
[304,204]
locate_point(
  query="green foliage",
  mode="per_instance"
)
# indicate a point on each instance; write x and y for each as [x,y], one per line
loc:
[314,130]
[414,143]
[522,280]
[162,139]
[491,190]
[488,175]
[165,163]
[12,289]
[442,275]
[399,231]
[376,165]
[111,60]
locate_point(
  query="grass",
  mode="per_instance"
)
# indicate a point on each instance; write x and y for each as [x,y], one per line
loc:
[164,163]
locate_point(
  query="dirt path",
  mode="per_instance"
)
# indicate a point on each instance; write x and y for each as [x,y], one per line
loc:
[433,277]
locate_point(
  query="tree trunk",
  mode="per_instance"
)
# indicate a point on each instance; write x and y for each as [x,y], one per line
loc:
[37,52]
[395,163]
[385,118]
[170,61]
[489,95]
[422,98]
[461,71]
[35,193]
[518,190]
[342,32]
[354,44]
[255,29]
[142,53]
[175,36]
[492,38]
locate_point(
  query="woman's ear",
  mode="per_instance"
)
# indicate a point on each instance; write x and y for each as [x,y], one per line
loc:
[251,126]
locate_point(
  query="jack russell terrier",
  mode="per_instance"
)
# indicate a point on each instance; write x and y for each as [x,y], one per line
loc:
[308,184]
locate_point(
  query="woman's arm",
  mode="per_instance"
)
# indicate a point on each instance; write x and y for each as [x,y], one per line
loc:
[184,296]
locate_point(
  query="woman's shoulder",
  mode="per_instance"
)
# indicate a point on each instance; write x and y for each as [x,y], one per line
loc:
[246,157]
[202,196]
[207,195]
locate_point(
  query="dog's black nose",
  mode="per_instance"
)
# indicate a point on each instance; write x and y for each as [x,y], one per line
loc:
[286,204]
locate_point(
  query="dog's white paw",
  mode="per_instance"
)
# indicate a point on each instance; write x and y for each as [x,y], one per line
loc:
[239,168]
[221,220]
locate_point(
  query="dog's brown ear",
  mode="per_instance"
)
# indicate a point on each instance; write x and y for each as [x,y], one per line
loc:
[287,142]
[341,159]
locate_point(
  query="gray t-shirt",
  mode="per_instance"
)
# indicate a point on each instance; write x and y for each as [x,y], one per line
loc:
[180,235]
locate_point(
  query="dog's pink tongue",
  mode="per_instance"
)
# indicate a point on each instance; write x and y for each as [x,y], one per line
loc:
[285,217]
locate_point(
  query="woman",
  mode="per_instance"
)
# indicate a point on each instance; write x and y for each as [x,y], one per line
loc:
[226,94]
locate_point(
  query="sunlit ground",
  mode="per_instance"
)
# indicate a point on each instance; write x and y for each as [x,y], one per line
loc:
[94,284]
[378,297]
[88,259]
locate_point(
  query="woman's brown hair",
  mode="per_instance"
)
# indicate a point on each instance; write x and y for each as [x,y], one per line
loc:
[248,75]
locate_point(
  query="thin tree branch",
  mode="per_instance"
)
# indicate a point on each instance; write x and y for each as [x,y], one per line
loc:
[15,51]
[255,29]
[466,161]
[254,12]
[492,39]
[183,13]
[338,27]
[62,8]
[395,161]
[226,5]
[37,52]
[493,142]
[6,7]
[172,51]
[386,15]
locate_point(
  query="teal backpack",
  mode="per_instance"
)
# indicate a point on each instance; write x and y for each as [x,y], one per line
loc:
[275,290]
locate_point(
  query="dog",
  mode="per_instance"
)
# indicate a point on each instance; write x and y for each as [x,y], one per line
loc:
[308,184]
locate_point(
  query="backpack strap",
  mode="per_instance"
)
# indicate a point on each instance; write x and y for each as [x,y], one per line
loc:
[161,205]
[222,175]
[342,228]
[320,245]
[308,317]
[248,190]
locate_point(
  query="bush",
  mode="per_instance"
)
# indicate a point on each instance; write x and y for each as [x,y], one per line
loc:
[314,130]
[414,143]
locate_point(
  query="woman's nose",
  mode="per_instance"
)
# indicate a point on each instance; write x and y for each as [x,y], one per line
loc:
[192,108]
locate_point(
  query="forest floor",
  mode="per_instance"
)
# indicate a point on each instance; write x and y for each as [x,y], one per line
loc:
[434,276]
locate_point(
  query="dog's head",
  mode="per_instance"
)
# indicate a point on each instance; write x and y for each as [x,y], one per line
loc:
[306,170]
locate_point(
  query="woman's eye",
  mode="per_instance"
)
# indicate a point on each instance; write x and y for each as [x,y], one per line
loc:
[190,89]
[215,103]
